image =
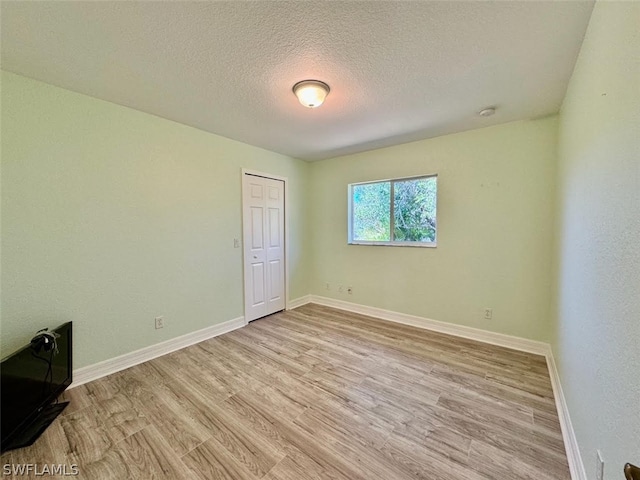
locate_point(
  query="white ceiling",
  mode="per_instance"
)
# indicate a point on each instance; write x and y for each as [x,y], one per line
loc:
[398,71]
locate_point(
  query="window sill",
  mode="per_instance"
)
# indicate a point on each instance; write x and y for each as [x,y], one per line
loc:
[396,244]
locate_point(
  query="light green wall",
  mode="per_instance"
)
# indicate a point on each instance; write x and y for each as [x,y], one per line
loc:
[111,217]
[495,208]
[597,307]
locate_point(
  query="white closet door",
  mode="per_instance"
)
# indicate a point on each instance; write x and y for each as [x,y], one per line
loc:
[263,227]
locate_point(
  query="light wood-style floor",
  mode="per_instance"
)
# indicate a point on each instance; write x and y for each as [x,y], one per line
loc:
[315,393]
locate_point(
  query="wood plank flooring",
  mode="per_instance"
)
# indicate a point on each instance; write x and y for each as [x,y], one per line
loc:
[314,394]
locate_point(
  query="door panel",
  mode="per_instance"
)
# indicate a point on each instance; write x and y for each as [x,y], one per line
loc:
[275,282]
[257,222]
[258,279]
[256,190]
[274,227]
[263,233]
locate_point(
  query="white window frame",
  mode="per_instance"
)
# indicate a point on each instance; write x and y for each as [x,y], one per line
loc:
[391,243]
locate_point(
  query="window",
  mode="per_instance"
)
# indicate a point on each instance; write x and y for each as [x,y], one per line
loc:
[394,212]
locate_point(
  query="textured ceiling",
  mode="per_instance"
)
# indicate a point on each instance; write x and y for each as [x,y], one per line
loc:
[398,71]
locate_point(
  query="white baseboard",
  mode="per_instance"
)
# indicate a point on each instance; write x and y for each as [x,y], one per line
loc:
[113,365]
[516,343]
[298,302]
[500,339]
[568,435]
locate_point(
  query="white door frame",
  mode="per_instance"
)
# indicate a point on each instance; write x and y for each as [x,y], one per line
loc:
[285,180]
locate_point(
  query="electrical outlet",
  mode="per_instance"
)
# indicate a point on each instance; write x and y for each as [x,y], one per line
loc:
[236,243]
[327,286]
[350,290]
[341,288]
[159,322]
[599,466]
[488,313]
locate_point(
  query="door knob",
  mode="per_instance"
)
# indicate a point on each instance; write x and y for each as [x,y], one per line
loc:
[255,257]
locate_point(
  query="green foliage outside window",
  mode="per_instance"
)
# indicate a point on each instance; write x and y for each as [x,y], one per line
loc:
[372,212]
[414,211]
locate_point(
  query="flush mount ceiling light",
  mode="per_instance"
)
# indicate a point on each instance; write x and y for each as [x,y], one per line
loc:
[487,112]
[311,93]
